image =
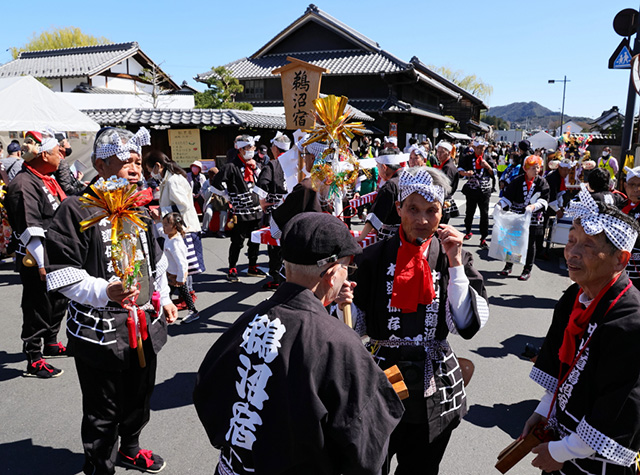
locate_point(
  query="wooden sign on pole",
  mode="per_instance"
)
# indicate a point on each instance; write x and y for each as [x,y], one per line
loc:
[300,86]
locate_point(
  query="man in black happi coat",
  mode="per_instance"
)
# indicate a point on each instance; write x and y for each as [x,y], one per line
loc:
[589,363]
[289,389]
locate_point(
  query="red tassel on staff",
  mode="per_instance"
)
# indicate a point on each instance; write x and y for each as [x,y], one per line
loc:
[142,321]
[131,328]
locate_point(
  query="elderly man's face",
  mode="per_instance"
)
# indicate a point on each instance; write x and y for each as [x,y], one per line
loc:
[416,160]
[130,170]
[419,218]
[632,187]
[442,154]
[591,261]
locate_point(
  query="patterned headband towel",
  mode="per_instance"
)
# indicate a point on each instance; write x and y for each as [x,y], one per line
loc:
[123,150]
[619,233]
[49,141]
[421,182]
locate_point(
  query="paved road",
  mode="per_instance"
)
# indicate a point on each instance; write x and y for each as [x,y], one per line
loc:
[40,420]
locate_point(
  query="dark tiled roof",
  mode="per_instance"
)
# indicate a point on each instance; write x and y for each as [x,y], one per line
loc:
[394,105]
[85,88]
[191,117]
[219,117]
[339,63]
[68,62]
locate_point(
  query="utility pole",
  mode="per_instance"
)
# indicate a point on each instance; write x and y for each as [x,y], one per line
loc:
[564,92]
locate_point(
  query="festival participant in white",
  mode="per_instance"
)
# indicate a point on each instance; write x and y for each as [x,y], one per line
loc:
[289,389]
[116,388]
[589,363]
[412,291]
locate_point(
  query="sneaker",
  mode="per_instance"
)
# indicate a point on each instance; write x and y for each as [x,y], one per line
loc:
[145,461]
[468,236]
[271,285]
[232,276]
[220,235]
[55,350]
[41,369]
[508,269]
[484,245]
[180,304]
[255,271]
[525,275]
[191,317]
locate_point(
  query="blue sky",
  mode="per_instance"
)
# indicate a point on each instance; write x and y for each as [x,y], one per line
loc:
[514,46]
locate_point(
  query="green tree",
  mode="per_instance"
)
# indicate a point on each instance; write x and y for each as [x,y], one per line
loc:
[498,122]
[469,82]
[222,91]
[57,38]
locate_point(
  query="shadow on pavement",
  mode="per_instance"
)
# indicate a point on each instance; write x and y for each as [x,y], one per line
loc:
[174,392]
[8,358]
[24,458]
[523,301]
[514,345]
[509,418]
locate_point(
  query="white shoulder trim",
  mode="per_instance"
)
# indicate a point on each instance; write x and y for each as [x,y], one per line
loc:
[65,276]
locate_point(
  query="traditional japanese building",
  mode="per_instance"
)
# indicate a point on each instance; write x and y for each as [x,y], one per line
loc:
[378,83]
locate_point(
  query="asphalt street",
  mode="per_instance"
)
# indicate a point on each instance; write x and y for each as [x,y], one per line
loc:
[40,419]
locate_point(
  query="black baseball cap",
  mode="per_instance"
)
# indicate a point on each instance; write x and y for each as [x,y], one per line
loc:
[317,239]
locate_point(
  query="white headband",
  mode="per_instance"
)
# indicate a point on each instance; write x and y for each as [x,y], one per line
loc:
[419,182]
[251,141]
[49,141]
[393,140]
[279,141]
[395,159]
[445,145]
[622,235]
[632,172]
[123,150]
[566,163]
[477,142]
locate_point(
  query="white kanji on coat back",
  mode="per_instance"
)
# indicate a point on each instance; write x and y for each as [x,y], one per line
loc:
[262,337]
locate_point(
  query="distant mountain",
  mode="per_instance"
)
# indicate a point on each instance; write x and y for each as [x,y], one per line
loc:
[531,115]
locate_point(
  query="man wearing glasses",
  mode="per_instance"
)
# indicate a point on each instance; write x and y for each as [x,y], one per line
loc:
[412,291]
[289,388]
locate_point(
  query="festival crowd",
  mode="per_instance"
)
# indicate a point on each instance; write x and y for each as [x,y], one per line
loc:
[299,384]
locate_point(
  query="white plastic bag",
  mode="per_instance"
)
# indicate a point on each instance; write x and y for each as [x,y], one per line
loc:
[510,236]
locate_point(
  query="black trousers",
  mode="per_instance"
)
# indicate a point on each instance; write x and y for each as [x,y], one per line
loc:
[477,199]
[275,263]
[42,313]
[240,232]
[414,453]
[114,403]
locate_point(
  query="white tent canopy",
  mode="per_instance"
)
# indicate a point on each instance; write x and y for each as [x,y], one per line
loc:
[29,105]
[543,140]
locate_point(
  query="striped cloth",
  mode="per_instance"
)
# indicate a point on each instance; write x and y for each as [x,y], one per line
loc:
[194,254]
[368,198]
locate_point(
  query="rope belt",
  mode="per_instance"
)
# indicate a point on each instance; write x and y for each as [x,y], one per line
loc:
[435,351]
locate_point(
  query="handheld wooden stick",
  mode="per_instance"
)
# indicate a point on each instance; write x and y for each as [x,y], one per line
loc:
[346,312]
[519,449]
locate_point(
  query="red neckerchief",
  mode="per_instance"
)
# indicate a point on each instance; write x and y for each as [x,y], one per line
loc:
[578,321]
[143,197]
[412,280]
[248,171]
[50,182]
[528,182]
[439,167]
[629,207]
[563,184]
[479,162]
